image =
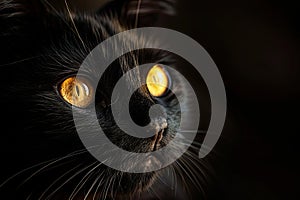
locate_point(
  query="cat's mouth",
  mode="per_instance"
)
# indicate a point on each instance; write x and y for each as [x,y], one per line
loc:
[152,161]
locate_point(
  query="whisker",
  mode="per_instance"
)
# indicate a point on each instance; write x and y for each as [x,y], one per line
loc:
[98,186]
[194,180]
[120,179]
[197,169]
[155,194]
[73,23]
[192,131]
[29,196]
[83,180]
[112,187]
[20,61]
[162,181]
[58,179]
[92,186]
[74,28]
[174,178]
[107,187]
[197,145]
[52,163]
[137,13]
[22,171]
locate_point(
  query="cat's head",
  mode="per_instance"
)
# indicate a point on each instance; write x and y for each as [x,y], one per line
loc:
[42,50]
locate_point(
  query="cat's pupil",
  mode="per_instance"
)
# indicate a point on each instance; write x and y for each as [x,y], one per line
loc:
[154,78]
[77,90]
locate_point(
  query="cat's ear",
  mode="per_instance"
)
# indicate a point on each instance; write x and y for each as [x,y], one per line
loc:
[139,13]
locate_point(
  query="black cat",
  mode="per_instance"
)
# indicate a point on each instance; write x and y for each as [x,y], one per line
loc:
[42,48]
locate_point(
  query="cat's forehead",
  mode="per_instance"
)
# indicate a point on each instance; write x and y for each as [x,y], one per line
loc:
[87,26]
[79,34]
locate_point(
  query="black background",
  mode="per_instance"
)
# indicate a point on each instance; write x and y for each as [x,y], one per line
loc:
[255,45]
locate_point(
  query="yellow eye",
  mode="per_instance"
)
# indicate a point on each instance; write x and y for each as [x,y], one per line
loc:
[77,91]
[157,81]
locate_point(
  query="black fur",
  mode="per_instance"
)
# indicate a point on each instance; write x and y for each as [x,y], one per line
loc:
[40,47]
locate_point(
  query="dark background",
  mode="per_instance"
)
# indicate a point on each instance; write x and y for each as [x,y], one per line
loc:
[256,47]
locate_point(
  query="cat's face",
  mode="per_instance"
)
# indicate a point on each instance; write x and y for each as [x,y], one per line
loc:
[41,61]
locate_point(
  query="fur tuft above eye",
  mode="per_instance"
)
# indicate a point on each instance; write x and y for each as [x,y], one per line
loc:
[77,91]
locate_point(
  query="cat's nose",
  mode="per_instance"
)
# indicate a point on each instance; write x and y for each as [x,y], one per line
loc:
[159,126]
[139,106]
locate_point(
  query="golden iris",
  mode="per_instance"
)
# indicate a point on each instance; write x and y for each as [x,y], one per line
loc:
[77,91]
[157,81]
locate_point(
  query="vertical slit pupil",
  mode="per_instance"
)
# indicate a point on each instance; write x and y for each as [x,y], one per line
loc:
[155,79]
[77,90]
